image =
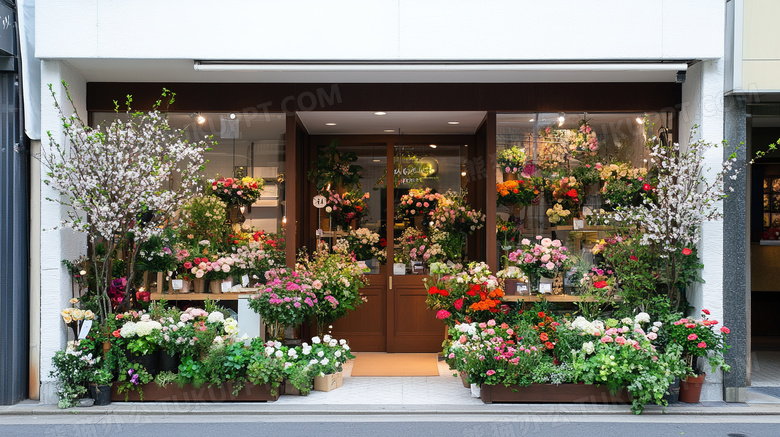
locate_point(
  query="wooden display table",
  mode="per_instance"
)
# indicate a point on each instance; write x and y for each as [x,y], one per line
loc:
[204,296]
[548,298]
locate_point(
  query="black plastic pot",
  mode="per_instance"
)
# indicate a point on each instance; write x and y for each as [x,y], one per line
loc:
[672,395]
[168,362]
[149,361]
[100,393]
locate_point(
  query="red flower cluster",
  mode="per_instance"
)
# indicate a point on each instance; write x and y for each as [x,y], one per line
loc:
[433,290]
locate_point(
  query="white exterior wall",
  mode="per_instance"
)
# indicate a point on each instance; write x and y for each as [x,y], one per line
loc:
[380,29]
[702,105]
[56,245]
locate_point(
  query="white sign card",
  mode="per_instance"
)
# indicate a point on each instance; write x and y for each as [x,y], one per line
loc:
[85,327]
[319,201]
[177,284]
[522,288]
[578,224]
[245,280]
[226,286]
[545,285]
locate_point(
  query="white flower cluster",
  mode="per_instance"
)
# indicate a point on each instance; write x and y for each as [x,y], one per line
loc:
[139,329]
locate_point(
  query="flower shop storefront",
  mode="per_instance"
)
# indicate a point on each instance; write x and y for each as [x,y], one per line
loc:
[371,215]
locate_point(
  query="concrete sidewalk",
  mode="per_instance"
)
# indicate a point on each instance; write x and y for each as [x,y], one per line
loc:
[442,394]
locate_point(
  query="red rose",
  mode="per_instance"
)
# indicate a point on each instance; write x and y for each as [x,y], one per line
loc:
[725,330]
[647,187]
[444,293]
[633,258]
[600,284]
[433,290]
[572,193]
[686,251]
[706,311]
[541,314]
[117,334]
[188,265]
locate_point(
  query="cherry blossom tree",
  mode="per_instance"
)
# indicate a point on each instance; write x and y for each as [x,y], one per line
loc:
[121,181]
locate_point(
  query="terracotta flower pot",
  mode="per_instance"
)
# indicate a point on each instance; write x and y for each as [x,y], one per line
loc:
[690,389]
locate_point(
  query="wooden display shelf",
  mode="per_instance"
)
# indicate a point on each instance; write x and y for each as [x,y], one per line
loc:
[203,296]
[549,298]
[584,229]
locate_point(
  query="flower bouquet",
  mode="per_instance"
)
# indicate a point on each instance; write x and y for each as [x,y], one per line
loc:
[454,215]
[511,160]
[235,191]
[566,191]
[346,207]
[542,257]
[584,142]
[558,215]
[74,317]
[522,192]
[364,245]
[418,203]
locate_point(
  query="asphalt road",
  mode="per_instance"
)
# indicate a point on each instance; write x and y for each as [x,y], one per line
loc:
[81,425]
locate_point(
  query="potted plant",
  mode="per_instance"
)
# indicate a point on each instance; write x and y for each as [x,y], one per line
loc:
[698,338]
[327,356]
[286,299]
[335,169]
[100,384]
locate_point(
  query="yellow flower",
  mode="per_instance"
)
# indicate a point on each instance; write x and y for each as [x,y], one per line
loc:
[74,300]
[89,315]
[67,319]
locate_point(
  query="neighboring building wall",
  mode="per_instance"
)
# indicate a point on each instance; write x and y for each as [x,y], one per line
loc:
[56,244]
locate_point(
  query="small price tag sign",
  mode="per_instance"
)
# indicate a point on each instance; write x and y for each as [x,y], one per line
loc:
[226,286]
[177,284]
[85,327]
[245,280]
[578,224]
[319,201]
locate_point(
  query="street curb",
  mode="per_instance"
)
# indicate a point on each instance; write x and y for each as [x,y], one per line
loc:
[263,409]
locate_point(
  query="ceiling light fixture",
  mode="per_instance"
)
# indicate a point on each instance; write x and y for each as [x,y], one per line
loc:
[232,116]
[330,124]
[640,120]
[380,113]
[531,119]
[453,122]
[561,118]
[201,119]
[389,130]
[377,160]
[463,173]
[433,146]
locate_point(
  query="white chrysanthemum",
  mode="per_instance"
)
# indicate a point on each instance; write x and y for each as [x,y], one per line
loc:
[313,362]
[269,351]
[342,342]
[279,354]
[215,317]
[626,321]
[337,354]
[320,354]
[657,324]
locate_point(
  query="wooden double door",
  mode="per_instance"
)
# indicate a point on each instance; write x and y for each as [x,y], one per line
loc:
[395,317]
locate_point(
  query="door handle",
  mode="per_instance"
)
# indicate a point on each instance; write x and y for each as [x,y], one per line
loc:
[389,282]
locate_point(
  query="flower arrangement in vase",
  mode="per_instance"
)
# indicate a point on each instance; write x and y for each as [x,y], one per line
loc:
[454,215]
[558,215]
[585,141]
[522,192]
[286,299]
[418,203]
[344,208]
[364,245]
[566,191]
[542,257]
[238,191]
[511,160]
[624,185]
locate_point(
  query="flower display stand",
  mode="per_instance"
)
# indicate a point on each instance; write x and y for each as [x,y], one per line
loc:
[188,393]
[328,382]
[551,393]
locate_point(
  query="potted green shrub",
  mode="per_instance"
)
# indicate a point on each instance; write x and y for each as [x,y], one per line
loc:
[100,385]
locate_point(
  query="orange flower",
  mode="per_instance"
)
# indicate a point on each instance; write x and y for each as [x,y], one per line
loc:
[543,336]
[549,345]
